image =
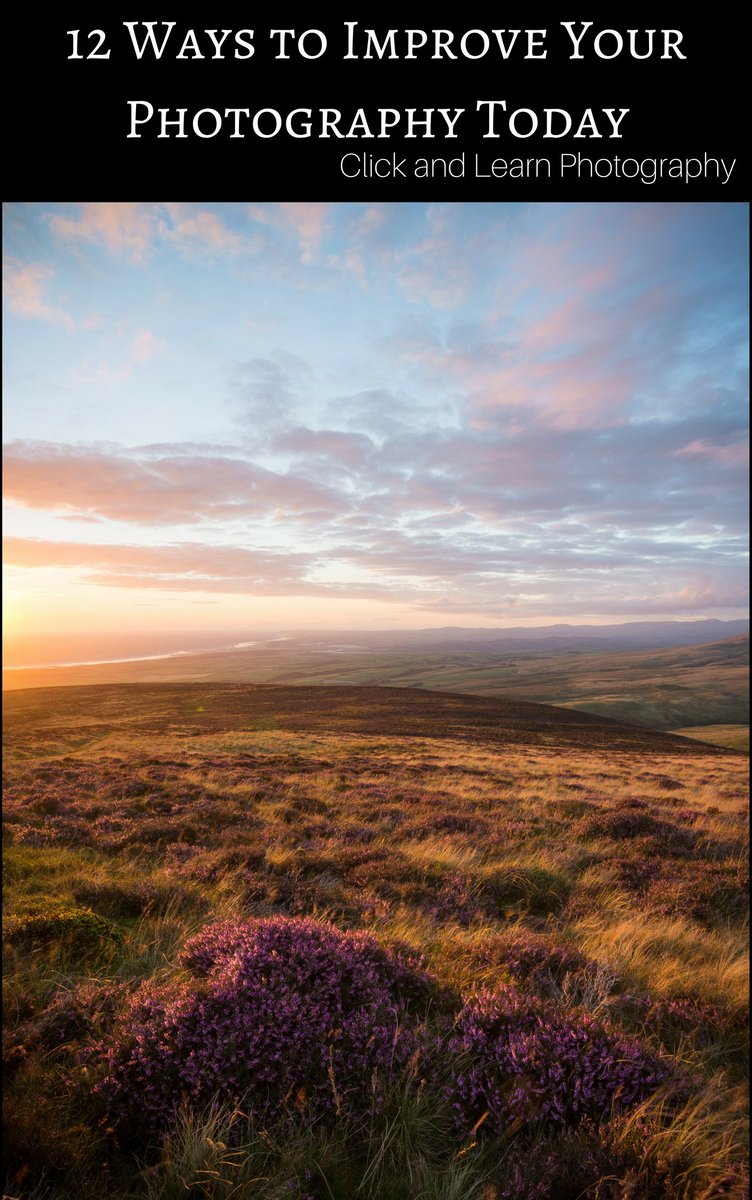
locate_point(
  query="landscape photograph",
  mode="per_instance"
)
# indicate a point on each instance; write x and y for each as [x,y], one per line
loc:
[376,701]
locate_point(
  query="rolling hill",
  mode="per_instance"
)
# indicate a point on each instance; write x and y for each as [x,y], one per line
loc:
[95,717]
[338,883]
[667,688]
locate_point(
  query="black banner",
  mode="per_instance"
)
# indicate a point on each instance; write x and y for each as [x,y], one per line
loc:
[502,104]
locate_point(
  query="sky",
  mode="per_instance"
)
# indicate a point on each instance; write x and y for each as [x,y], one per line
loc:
[269,416]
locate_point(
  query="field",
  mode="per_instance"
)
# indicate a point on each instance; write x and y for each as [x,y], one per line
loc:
[316,943]
[667,687]
[734,737]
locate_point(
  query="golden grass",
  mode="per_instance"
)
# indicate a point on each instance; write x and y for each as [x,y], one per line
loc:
[669,956]
[302,795]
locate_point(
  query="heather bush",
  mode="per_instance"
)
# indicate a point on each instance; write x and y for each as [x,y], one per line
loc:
[631,1157]
[527,889]
[674,1018]
[75,1013]
[210,865]
[177,854]
[132,898]
[55,831]
[624,823]
[521,1060]
[532,958]
[457,823]
[281,1015]
[264,894]
[15,1054]
[350,834]
[705,891]
[400,879]
[636,874]
[591,987]
[459,899]
[156,832]
[410,838]
[565,1164]
[571,807]
[75,929]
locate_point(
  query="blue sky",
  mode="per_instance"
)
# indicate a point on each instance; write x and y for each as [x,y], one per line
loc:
[242,415]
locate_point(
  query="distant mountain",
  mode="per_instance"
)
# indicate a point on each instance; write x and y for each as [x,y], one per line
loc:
[628,635]
[42,652]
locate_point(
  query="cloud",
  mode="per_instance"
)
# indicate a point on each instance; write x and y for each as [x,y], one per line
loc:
[125,229]
[142,347]
[191,567]
[176,488]
[334,447]
[383,412]
[499,405]
[265,391]
[733,454]
[181,566]
[136,231]
[25,293]
[430,581]
[586,319]
[440,255]
[308,219]
[196,230]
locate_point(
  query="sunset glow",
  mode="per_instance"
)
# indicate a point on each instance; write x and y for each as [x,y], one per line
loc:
[259,417]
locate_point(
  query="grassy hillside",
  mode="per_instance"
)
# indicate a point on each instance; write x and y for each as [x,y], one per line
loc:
[663,689]
[102,717]
[733,737]
[332,942]
[700,684]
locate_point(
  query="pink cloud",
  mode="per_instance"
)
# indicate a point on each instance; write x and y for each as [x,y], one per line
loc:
[144,346]
[188,563]
[702,594]
[186,567]
[125,229]
[133,231]
[199,229]
[729,454]
[25,290]
[171,489]
[308,219]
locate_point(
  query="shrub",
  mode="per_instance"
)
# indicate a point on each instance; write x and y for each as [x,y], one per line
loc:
[76,929]
[527,889]
[628,822]
[674,1018]
[75,1013]
[532,958]
[458,899]
[457,823]
[705,891]
[211,865]
[636,874]
[287,1015]
[520,1059]
[131,898]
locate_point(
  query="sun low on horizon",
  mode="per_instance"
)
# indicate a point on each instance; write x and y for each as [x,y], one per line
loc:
[240,417]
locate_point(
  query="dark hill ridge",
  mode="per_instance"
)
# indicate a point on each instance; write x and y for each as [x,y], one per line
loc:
[86,714]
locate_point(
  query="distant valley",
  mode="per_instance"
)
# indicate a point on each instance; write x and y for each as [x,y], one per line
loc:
[636,673]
